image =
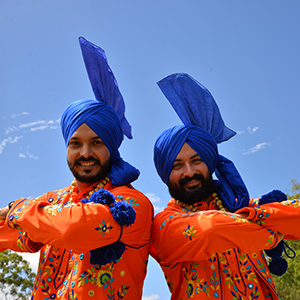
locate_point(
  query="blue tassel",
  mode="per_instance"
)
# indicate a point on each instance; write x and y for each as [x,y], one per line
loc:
[101,197]
[274,196]
[277,265]
[123,213]
[107,254]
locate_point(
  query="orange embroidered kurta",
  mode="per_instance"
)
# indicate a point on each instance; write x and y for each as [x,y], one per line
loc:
[209,255]
[65,230]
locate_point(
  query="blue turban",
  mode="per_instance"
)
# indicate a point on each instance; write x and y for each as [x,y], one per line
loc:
[103,120]
[203,128]
[171,141]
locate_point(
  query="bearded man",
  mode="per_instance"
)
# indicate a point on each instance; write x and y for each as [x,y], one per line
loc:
[211,239]
[94,235]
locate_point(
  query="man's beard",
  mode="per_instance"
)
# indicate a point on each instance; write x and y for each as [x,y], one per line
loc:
[193,195]
[86,178]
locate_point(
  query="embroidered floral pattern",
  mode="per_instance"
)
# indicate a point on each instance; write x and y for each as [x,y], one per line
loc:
[189,232]
[103,278]
[205,278]
[168,219]
[103,228]
[62,274]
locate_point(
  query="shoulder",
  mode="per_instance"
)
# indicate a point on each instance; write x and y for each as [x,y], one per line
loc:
[131,195]
[167,214]
[55,194]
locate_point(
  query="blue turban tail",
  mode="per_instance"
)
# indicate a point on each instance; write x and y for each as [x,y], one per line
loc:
[195,105]
[105,116]
[103,81]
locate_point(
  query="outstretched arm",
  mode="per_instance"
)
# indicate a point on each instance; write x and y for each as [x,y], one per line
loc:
[81,226]
[196,236]
[15,240]
[283,217]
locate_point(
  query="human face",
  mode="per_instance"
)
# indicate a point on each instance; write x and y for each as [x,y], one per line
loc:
[88,157]
[190,180]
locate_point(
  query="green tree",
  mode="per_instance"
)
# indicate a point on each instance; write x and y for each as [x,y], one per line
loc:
[288,285]
[295,189]
[16,276]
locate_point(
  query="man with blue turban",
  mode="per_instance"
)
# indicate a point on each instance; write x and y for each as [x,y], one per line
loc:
[94,235]
[211,238]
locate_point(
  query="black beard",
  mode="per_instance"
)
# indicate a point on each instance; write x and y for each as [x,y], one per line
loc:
[194,195]
[86,178]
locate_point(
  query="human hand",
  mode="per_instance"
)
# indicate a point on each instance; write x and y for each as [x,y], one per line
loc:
[280,236]
[4,212]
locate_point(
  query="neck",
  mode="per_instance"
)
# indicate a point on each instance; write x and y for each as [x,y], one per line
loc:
[195,208]
[208,199]
[84,185]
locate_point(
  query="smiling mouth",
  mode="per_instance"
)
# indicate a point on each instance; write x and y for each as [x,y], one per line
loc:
[192,184]
[86,163]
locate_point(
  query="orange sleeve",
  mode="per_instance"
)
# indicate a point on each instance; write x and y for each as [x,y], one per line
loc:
[139,233]
[16,240]
[283,217]
[184,237]
[80,226]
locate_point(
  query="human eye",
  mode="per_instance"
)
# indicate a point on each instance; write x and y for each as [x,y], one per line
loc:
[197,161]
[176,166]
[73,143]
[98,142]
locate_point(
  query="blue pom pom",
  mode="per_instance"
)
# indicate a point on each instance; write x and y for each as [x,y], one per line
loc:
[278,266]
[123,213]
[276,251]
[107,254]
[274,196]
[100,197]
[85,200]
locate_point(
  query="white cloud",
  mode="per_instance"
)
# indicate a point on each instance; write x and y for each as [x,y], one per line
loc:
[40,125]
[252,130]
[21,114]
[152,297]
[24,129]
[9,140]
[249,130]
[28,155]
[154,199]
[34,126]
[256,148]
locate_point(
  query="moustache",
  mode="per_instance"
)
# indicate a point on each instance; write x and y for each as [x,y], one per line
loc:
[78,160]
[185,180]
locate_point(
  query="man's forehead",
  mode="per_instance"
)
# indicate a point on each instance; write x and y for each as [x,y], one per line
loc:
[84,131]
[186,152]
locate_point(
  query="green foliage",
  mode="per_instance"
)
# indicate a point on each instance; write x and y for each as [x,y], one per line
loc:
[288,285]
[16,276]
[295,189]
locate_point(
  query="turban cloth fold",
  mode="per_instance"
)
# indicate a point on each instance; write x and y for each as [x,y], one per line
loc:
[103,81]
[171,141]
[195,105]
[103,120]
[105,116]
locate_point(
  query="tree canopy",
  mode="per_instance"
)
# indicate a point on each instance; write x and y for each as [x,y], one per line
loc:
[288,285]
[16,276]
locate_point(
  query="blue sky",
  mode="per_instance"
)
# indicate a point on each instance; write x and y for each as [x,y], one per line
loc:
[245,52]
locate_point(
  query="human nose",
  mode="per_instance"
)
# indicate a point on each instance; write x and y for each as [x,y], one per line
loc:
[189,171]
[85,151]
